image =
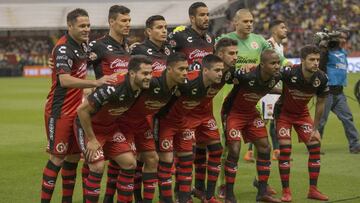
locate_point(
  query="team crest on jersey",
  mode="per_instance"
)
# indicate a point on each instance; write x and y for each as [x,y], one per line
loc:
[259,123]
[316,82]
[233,133]
[61,147]
[283,132]
[166,144]
[167,51]
[208,38]
[172,43]
[211,124]
[254,45]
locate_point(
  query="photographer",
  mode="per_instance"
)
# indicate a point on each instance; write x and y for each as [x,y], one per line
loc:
[334,62]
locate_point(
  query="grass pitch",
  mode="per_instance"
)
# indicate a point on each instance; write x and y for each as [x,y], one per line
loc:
[23,142]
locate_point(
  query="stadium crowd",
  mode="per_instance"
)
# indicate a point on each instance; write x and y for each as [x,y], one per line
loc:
[303,19]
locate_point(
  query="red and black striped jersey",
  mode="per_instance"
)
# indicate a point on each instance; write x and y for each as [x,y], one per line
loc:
[111,101]
[109,56]
[190,96]
[69,58]
[157,54]
[247,91]
[192,44]
[297,92]
[149,101]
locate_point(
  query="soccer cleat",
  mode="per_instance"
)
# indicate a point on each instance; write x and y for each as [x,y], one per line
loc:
[249,156]
[211,200]
[221,192]
[314,193]
[276,154]
[355,150]
[198,194]
[286,195]
[230,200]
[269,189]
[267,198]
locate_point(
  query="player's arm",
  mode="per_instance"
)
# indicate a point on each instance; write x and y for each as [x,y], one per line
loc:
[84,112]
[63,62]
[319,109]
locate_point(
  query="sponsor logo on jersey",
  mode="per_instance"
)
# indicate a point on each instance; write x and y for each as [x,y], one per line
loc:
[158,66]
[110,47]
[148,134]
[119,63]
[307,128]
[117,111]
[167,51]
[99,154]
[118,137]
[62,49]
[188,134]
[211,124]
[198,54]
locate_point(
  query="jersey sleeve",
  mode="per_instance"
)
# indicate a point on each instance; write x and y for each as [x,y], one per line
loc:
[265,44]
[63,59]
[96,52]
[138,50]
[323,89]
[101,96]
[174,38]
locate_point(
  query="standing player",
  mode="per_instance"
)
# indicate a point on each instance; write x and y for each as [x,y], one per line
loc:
[136,121]
[175,131]
[99,134]
[68,80]
[300,85]
[109,55]
[157,49]
[278,31]
[194,41]
[250,46]
[205,127]
[243,121]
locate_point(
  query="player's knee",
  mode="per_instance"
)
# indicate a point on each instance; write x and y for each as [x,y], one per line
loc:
[97,167]
[234,150]
[151,160]
[74,158]
[57,160]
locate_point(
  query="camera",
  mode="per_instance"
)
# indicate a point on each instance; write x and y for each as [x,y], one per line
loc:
[327,39]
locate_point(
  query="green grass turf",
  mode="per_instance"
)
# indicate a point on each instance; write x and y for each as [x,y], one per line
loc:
[23,156]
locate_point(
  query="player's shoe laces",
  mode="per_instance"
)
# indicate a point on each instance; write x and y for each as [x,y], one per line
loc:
[221,192]
[269,189]
[249,156]
[275,154]
[314,193]
[211,200]
[286,195]
[198,194]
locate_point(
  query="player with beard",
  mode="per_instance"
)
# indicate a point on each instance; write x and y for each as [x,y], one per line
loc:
[206,132]
[194,41]
[68,79]
[109,55]
[300,84]
[98,131]
[242,121]
[137,121]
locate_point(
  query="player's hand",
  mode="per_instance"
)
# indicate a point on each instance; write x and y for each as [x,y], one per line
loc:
[106,79]
[91,148]
[51,63]
[315,136]
[247,67]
